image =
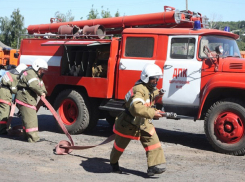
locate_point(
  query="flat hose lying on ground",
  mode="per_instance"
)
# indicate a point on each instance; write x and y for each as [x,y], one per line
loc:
[63,147]
[66,147]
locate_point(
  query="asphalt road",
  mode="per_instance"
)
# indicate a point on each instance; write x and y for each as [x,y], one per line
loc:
[189,156]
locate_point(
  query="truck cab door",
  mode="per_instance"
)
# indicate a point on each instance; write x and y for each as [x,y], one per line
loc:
[137,51]
[182,76]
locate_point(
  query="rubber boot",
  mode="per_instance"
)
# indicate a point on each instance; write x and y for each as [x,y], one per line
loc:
[155,170]
[116,168]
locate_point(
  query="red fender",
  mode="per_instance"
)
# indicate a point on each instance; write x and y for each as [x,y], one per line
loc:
[221,80]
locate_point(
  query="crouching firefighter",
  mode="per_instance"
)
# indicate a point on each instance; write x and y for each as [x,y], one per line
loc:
[29,88]
[135,122]
[8,86]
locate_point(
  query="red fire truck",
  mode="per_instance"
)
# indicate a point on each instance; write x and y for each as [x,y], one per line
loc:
[89,75]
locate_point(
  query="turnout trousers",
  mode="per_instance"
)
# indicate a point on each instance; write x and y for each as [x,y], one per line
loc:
[4,115]
[30,123]
[151,144]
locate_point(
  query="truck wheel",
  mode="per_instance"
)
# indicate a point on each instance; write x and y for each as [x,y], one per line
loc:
[94,114]
[73,110]
[224,126]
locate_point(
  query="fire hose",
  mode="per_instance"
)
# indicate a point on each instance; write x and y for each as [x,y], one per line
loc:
[63,147]
[66,147]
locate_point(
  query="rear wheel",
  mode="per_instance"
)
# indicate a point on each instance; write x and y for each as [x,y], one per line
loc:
[73,110]
[94,114]
[225,126]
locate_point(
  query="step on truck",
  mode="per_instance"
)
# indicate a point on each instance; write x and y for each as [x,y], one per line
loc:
[94,63]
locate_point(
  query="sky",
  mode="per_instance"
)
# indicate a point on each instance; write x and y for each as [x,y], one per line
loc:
[40,12]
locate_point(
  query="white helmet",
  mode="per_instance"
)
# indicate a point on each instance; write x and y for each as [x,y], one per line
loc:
[150,70]
[21,67]
[39,63]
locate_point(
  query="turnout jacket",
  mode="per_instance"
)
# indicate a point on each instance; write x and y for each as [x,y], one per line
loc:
[30,87]
[9,85]
[138,113]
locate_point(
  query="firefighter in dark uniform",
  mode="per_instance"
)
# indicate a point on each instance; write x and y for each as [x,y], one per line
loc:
[8,86]
[135,122]
[29,88]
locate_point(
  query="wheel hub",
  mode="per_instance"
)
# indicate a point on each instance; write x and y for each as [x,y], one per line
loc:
[71,112]
[68,111]
[228,127]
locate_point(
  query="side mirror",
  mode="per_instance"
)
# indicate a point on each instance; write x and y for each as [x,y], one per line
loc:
[16,55]
[219,49]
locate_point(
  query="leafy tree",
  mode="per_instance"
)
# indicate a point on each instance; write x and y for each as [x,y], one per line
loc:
[64,17]
[241,45]
[117,14]
[4,26]
[12,29]
[105,14]
[93,13]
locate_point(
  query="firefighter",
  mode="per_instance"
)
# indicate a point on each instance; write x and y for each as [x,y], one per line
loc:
[136,122]
[8,87]
[29,88]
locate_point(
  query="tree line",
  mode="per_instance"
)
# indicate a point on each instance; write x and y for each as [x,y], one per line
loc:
[11,28]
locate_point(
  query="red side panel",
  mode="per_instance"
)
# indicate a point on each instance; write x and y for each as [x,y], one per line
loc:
[33,47]
[96,87]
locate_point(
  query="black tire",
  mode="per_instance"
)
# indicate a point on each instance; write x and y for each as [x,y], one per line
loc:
[224,126]
[94,114]
[73,109]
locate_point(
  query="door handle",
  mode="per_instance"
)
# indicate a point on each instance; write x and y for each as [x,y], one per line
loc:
[122,67]
[167,66]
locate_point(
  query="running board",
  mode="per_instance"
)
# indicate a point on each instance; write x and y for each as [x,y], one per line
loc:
[112,105]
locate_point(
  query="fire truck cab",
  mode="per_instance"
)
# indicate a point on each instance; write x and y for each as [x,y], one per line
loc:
[88,77]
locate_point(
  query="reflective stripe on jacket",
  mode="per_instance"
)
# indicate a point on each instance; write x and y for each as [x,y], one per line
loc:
[138,102]
[31,87]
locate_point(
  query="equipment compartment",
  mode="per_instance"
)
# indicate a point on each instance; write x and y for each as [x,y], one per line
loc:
[85,61]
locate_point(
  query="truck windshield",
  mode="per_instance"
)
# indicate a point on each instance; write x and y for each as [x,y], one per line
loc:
[229,46]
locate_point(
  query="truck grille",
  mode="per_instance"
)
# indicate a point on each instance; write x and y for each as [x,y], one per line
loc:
[236,65]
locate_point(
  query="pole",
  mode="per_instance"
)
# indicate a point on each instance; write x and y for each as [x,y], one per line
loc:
[186,5]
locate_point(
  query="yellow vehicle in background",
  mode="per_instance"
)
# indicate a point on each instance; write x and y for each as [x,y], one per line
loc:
[242,54]
[8,56]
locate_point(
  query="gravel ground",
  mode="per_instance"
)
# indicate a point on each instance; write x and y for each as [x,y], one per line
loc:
[189,156]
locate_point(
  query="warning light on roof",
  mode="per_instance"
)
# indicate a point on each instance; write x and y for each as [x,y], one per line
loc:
[227,29]
[197,25]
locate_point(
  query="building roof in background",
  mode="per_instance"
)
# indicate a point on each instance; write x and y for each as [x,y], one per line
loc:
[2,45]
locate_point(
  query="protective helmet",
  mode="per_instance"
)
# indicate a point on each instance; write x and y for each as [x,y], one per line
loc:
[39,63]
[21,67]
[150,70]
